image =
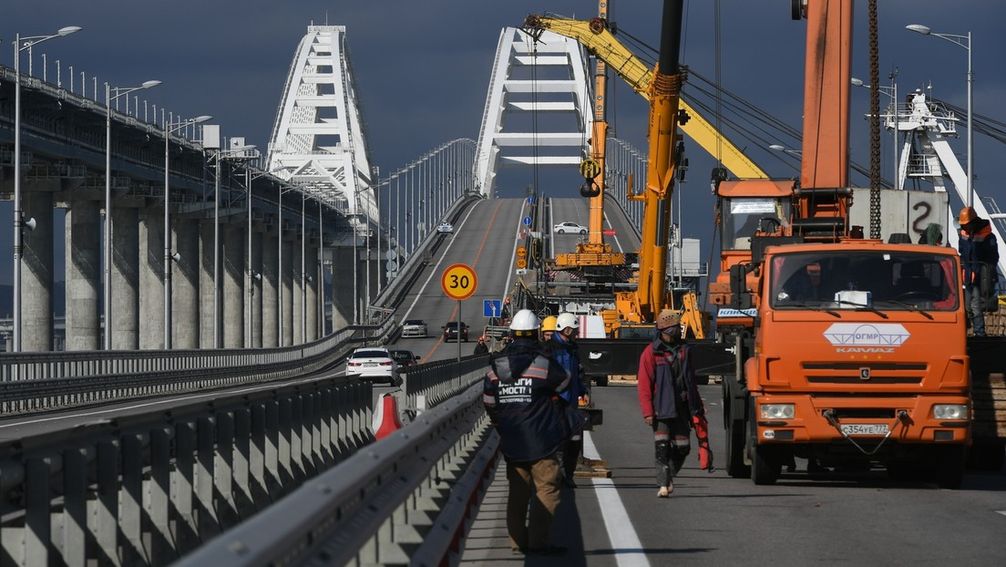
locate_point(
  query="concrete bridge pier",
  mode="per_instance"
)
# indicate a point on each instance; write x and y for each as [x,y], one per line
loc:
[311,304]
[270,290]
[151,257]
[125,276]
[286,280]
[206,313]
[185,331]
[36,267]
[233,285]
[254,281]
[342,287]
[83,274]
[298,289]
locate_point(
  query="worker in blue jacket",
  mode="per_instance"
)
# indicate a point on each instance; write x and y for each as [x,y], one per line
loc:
[565,351]
[980,258]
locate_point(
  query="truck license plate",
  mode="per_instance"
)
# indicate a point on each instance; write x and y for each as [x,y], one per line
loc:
[880,429]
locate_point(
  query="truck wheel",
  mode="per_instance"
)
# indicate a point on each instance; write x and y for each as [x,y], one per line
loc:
[601,379]
[950,466]
[735,439]
[765,465]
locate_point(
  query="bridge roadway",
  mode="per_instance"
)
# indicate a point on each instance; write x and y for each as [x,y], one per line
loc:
[712,519]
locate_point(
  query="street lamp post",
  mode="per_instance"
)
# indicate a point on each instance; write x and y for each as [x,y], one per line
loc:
[112,94]
[170,128]
[21,44]
[891,91]
[965,42]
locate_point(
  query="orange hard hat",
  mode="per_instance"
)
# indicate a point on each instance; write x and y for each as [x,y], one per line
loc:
[668,318]
[966,216]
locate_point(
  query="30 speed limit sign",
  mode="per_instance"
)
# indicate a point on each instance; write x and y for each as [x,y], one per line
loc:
[459,281]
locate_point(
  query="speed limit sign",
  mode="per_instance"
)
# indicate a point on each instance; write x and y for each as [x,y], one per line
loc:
[459,281]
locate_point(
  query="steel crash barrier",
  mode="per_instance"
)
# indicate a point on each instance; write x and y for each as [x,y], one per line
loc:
[408,499]
[429,384]
[145,488]
[44,381]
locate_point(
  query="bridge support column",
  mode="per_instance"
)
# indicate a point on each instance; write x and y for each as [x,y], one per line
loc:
[298,291]
[254,291]
[36,271]
[311,304]
[185,287]
[83,275]
[151,255]
[125,278]
[206,313]
[233,289]
[286,280]
[342,287]
[270,291]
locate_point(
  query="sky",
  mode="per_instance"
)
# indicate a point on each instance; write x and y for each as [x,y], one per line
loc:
[422,68]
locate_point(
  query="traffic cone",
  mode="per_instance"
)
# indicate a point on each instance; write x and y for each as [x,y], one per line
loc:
[386,419]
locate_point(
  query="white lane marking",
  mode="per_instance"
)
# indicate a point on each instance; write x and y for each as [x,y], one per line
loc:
[422,290]
[617,243]
[1003,512]
[516,239]
[161,402]
[625,544]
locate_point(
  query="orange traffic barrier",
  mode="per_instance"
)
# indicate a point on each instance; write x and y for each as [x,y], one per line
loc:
[386,419]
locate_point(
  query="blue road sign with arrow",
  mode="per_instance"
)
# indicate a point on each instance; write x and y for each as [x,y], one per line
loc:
[492,307]
[527,221]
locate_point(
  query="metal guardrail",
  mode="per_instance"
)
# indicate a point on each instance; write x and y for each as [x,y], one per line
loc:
[145,488]
[400,501]
[430,384]
[33,382]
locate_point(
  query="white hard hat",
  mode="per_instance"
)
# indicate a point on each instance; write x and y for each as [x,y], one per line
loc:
[524,320]
[566,321]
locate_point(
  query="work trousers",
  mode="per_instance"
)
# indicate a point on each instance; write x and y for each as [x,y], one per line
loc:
[571,455]
[538,478]
[974,306]
[671,438]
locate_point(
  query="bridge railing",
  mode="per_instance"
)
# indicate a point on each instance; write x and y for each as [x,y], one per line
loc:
[401,501]
[33,382]
[428,385]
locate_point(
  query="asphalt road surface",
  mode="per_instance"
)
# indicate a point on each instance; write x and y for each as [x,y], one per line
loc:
[712,519]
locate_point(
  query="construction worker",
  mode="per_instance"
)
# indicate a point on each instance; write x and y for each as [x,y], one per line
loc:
[564,350]
[481,347]
[517,392]
[979,256]
[548,328]
[669,398]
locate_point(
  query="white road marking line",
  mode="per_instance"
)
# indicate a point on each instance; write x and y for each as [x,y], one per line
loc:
[162,401]
[617,243]
[1003,512]
[625,544]
[516,239]
[422,290]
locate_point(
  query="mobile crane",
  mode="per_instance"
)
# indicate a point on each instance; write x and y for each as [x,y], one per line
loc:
[848,351]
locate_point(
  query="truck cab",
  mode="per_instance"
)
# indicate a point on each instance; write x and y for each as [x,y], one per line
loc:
[859,359]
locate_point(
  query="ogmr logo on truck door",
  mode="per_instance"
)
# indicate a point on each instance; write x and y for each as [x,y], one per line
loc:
[866,337]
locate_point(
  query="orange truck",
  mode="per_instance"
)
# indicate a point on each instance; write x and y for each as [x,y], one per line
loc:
[849,351]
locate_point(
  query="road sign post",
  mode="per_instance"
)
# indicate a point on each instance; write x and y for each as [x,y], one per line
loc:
[459,282]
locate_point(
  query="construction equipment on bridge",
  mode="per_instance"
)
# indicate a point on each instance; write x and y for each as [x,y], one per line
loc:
[848,351]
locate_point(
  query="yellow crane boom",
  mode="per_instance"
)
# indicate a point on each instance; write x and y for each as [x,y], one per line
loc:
[595,36]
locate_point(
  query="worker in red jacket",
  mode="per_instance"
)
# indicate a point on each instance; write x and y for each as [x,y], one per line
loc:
[670,401]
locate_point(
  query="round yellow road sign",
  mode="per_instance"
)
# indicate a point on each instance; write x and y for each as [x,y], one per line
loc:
[589,168]
[521,263]
[521,252]
[459,281]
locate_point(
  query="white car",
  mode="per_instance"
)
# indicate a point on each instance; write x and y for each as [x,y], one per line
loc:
[373,363]
[569,228]
[414,328]
[445,228]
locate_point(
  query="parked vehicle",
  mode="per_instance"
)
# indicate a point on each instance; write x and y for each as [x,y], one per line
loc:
[414,328]
[404,357]
[373,363]
[569,228]
[451,331]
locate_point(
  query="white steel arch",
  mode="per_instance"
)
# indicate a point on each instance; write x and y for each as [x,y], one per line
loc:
[514,98]
[927,155]
[317,141]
